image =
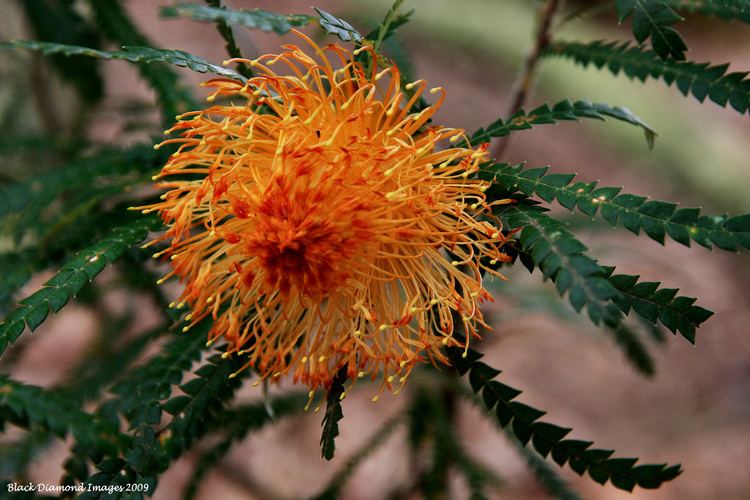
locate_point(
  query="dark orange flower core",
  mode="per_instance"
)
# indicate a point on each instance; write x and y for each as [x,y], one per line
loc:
[321,224]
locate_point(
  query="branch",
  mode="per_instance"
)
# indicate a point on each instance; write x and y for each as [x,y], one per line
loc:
[522,85]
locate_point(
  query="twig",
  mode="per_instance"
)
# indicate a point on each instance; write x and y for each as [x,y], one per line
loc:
[522,86]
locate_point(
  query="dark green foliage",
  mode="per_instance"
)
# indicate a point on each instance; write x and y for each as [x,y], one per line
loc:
[547,477]
[652,19]
[700,79]
[132,54]
[333,415]
[59,22]
[117,26]
[677,313]
[115,171]
[257,19]
[333,489]
[724,9]
[338,27]
[236,423]
[431,418]
[548,439]
[56,292]
[545,243]
[657,218]
[33,407]
[561,111]
[128,421]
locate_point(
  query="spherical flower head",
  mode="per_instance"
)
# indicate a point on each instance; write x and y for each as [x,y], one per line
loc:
[323,224]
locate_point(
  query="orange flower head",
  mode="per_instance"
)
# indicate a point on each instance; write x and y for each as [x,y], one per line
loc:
[323,224]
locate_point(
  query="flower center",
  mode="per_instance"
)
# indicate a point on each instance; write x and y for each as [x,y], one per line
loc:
[309,239]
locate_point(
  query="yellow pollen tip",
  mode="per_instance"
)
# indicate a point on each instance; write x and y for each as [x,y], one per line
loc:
[304,360]
[402,364]
[375,399]
[361,374]
[434,302]
[493,262]
[390,379]
[160,281]
[189,317]
[454,138]
[403,379]
[409,86]
[463,355]
[211,98]
[157,146]
[232,375]
[180,305]
[225,63]
[173,257]
[413,309]
[209,299]
[445,341]
[455,263]
[321,359]
[342,396]
[154,177]
[185,328]
[435,90]
[225,355]
[171,305]
[383,328]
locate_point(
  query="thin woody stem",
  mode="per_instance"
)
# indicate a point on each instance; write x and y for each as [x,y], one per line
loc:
[522,86]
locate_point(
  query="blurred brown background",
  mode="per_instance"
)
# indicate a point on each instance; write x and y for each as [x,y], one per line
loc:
[696,410]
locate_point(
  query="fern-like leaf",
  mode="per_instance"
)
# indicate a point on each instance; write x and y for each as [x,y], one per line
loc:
[677,313]
[656,218]
[129,53]
[549,439]
[56,292]
[333,415]
[561,111]
[723,9]
[546,243]
[256,19]
[652,19]
[699,79]
[31,406]
[336,26]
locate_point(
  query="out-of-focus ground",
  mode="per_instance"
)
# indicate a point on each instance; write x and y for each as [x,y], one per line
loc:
[696,410]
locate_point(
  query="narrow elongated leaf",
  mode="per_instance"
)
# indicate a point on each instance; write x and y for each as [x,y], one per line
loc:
[545,243]
[131,54]
[338,27]
[55,293]
[658,219]
[561,111]
[256,19]
[699,79]
[724,9]
[549,439]
[332,415]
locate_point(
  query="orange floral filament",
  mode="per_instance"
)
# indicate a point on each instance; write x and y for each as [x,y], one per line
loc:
[324,225]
